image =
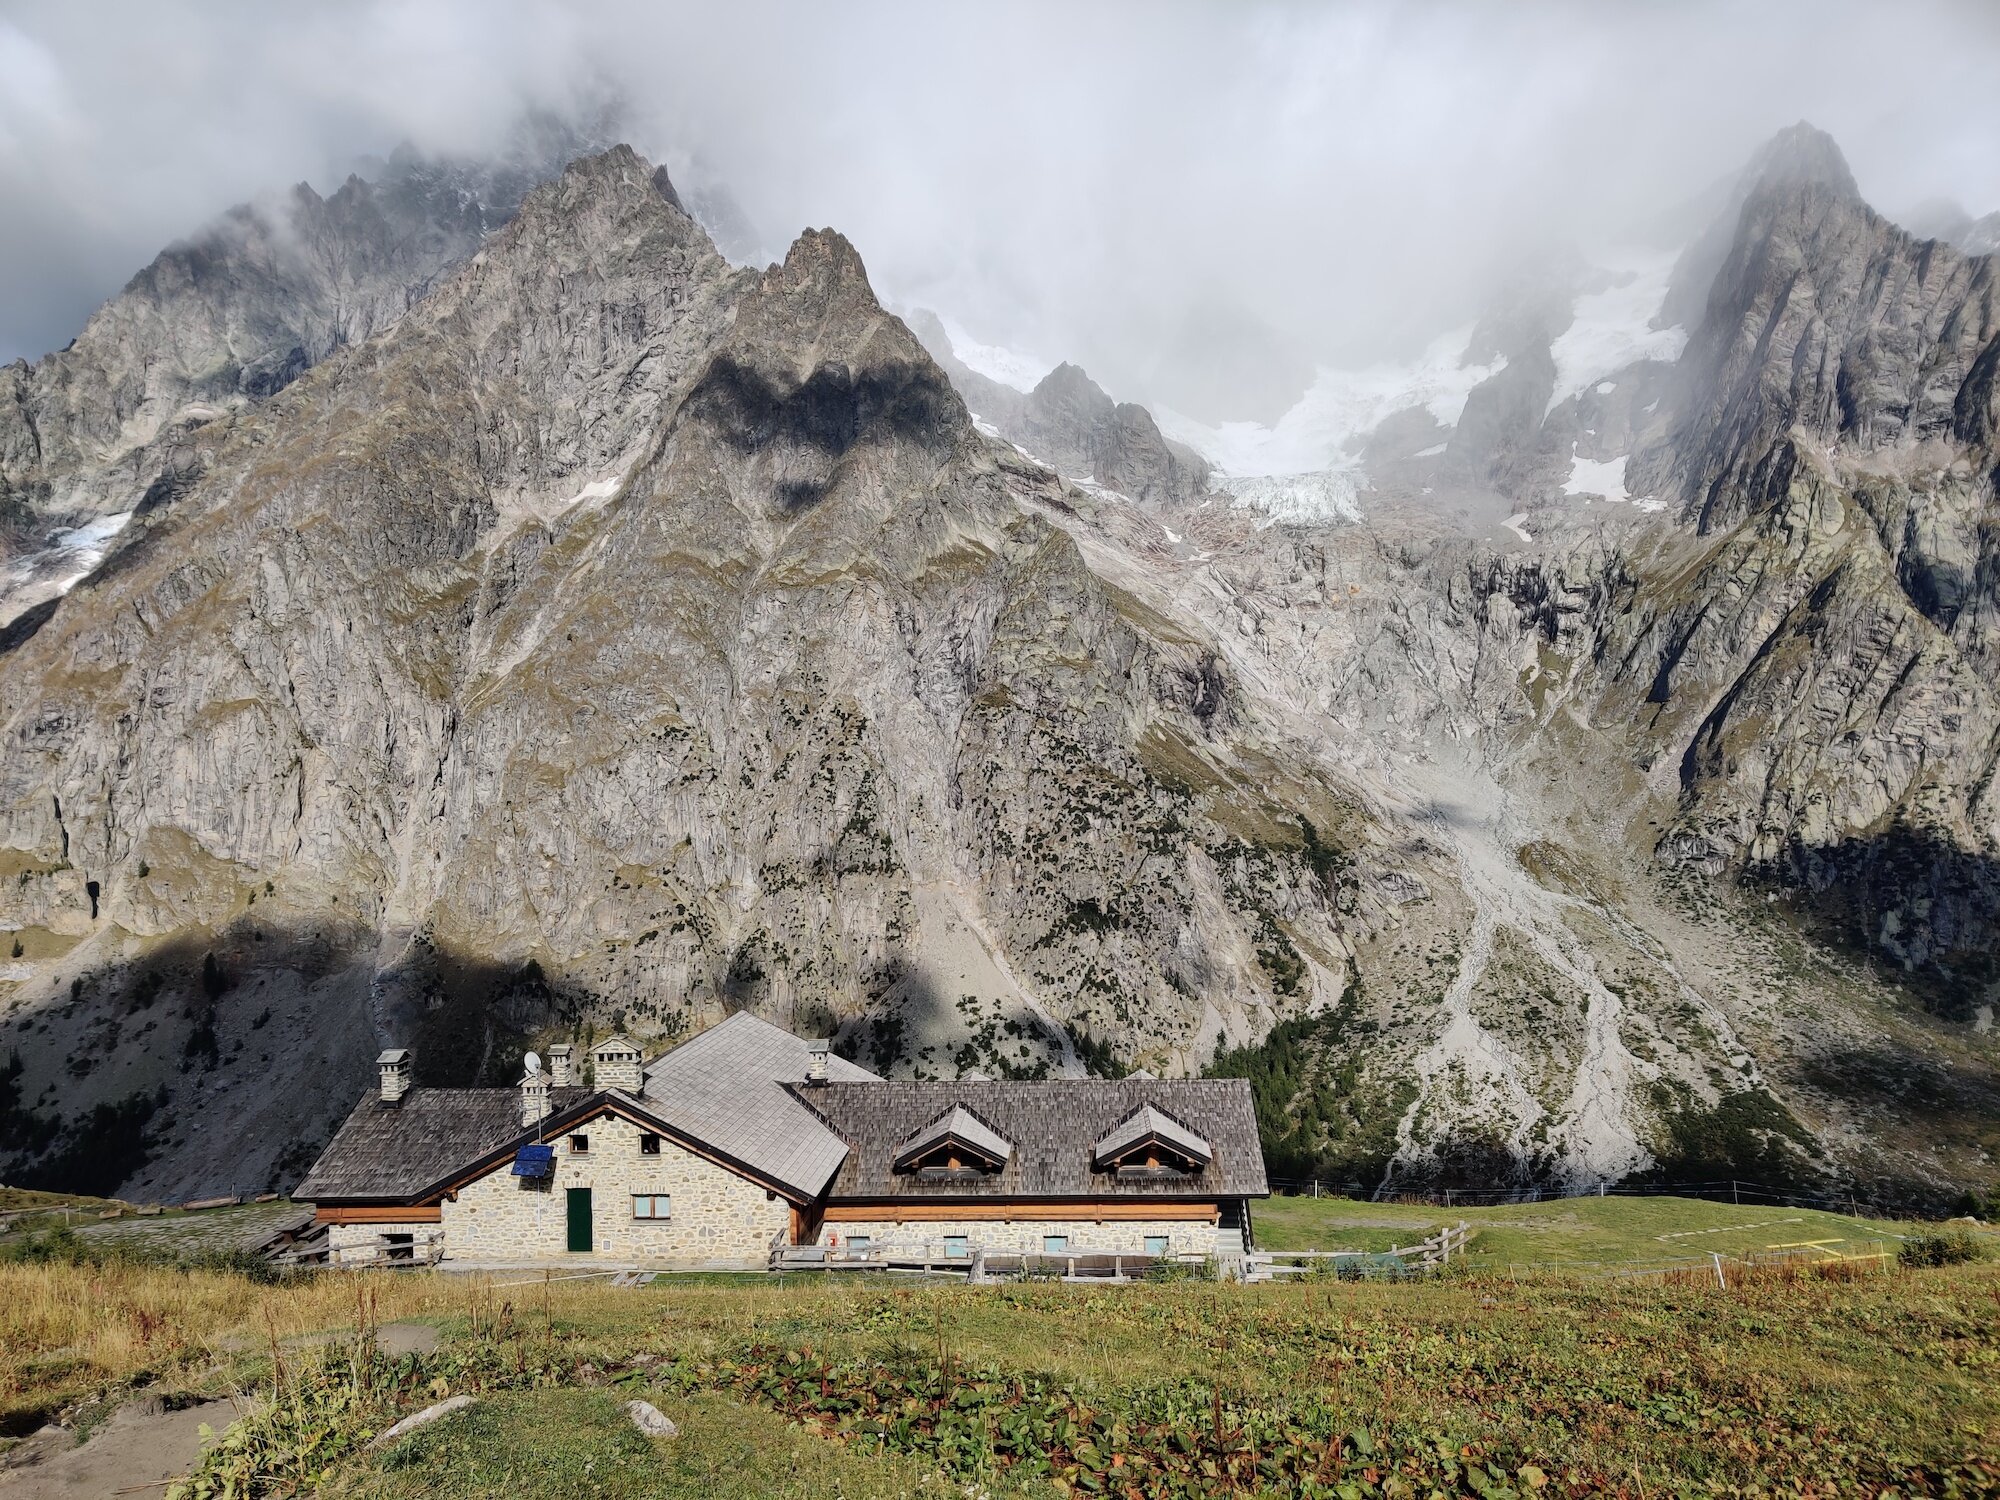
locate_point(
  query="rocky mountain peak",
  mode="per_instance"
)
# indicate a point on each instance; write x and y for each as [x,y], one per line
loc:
[1798,155]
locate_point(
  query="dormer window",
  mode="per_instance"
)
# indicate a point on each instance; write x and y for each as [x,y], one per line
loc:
[956,1147]
[1149,1145]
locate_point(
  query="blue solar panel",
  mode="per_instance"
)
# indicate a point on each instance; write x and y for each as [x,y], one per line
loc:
[534,1161]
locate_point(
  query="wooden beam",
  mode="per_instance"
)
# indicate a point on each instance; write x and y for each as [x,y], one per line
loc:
[1097,1210]
[373,1213]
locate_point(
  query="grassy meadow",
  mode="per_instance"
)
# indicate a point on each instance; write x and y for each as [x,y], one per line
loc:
[1580,1233]
[1487,1381]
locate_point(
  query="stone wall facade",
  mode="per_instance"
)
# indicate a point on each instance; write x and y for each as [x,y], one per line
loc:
[1027,1236]
[717,1218]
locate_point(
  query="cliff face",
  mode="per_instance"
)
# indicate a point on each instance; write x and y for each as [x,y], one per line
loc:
[1823,647]
[613,637]
[668,628]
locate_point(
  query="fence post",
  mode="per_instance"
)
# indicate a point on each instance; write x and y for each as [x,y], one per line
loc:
[1734,1197]
[1717,1258]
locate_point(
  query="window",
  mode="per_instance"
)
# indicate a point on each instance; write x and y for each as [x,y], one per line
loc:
[652,1205]
[859,1241]
[579,1145]
[1055,1244]
[1156,1244]
[957,1247]
[649,1144]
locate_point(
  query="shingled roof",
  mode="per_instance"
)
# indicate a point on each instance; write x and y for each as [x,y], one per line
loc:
[727,1089]
[1053,1126]
[397,1152]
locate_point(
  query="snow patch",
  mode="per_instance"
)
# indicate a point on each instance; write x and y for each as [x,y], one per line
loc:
[1591,476]
[1011,367]
[1431,452]
[1328,495]
[1606,387]
[1513,524]
[1340,408]
[70,557]
[1614,328]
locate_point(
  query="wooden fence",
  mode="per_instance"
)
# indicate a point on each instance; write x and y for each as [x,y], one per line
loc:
[1437,1251]
[974,1263]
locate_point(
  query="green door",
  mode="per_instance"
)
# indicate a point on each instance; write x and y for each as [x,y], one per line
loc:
[579,1218]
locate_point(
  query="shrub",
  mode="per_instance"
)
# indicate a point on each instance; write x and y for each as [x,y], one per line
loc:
[1947,1247]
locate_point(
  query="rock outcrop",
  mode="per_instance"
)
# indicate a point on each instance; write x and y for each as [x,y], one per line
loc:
[222,320]
[1068,422]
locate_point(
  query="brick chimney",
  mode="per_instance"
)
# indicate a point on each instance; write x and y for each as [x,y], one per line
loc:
[534,1093]
[618,1065]
[396,1067]
[562,1065]
[816,1060]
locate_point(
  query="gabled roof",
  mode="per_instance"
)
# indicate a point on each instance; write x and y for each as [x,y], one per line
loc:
[1148,1123]
[1054,1127]
[958,1126]
[724,1091]
[727,1089]
[397,1152]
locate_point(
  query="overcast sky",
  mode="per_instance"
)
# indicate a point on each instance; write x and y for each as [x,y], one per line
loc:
[1089,181]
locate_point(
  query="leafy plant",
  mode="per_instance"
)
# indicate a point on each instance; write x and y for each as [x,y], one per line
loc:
[1946,1247]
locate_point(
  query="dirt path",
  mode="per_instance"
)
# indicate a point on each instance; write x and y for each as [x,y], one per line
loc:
[135,1453]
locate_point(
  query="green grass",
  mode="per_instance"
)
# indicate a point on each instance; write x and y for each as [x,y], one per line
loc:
[580,1443]
[1568,1231]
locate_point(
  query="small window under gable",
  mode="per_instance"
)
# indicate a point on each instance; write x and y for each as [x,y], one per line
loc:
[579,1145]
[1150,1144]
[649,1143]
[958,1145]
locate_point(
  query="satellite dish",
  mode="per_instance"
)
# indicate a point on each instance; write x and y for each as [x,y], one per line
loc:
[534,1062]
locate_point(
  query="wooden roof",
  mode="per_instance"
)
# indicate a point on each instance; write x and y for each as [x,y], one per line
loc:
[738,1093]
[1054,1127]
[397,1152]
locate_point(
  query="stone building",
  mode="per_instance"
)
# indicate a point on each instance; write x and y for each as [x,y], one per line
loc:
[746,1144]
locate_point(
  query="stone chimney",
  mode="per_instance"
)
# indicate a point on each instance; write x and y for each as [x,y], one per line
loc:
[534,1093]
[396,1067]
[816,1060]
[618,1065]
[562,1065]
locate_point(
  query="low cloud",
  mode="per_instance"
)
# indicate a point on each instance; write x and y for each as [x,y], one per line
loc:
[1160,191]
